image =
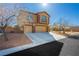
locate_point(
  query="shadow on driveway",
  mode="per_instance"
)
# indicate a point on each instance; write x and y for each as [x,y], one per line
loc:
[50,49]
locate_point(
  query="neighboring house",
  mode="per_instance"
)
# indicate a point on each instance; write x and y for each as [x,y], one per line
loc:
[11,29]
[33,22]
[8,29]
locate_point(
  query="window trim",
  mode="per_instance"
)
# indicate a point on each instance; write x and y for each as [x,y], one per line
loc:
[30,18]
[41,19]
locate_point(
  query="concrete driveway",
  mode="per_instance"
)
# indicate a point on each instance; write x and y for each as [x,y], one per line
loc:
[40,37]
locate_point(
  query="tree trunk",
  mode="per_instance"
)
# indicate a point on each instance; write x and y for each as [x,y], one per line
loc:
[63,30]
[5,35]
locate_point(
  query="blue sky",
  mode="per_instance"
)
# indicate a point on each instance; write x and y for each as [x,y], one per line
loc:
[68,12]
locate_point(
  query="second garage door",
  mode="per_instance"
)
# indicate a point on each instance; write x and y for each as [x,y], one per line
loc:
[40,28]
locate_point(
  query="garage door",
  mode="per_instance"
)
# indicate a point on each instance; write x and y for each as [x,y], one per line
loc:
[40,29]
[27,28]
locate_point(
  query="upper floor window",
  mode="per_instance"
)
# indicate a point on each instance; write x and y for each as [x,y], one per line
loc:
[30,17]
[43,19]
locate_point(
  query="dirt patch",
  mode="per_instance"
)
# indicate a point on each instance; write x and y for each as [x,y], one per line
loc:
[73,35]
[60,33]
[14,39]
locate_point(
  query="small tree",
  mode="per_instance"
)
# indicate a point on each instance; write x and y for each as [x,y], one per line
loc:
[55,27]
[64,24]
[6,16]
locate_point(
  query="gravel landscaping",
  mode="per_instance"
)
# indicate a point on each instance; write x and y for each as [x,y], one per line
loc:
[14,39]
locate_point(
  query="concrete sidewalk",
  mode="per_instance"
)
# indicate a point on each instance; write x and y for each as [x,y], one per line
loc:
[57,36]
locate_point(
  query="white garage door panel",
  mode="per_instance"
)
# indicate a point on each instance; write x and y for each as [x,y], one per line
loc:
[27,28]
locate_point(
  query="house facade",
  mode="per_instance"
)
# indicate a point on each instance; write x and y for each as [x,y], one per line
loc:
[33,22]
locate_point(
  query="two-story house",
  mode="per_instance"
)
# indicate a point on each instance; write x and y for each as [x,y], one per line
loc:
[33,22]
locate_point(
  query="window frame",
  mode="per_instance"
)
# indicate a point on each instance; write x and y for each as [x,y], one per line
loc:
[30,18]
[43,19]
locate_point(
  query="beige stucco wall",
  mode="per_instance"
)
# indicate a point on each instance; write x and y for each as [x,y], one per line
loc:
[35,18]
[22,18]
